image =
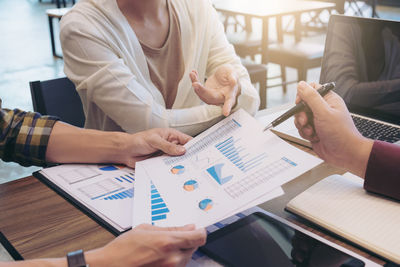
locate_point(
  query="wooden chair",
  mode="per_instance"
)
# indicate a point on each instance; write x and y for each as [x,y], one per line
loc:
[258,74]
[55,13]
[245,43]
[58,97]
[300,55]
[58,3]
[243,38]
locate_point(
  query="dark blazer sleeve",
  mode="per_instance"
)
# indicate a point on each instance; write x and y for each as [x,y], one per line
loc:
[383,170]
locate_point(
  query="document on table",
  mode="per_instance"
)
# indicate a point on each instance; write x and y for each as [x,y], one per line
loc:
[287,130]
[106,190]
[224,169]
[150,207]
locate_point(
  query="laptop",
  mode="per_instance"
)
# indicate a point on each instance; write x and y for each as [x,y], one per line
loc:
[362,56]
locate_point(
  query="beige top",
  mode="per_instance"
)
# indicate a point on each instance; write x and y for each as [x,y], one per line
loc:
[166,65]
[105,61]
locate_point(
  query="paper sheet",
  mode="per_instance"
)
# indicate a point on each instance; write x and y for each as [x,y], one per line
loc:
[106,189]
[157,213]
[286,129]
[224,169]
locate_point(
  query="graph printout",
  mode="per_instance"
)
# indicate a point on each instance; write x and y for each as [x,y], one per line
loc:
[225,168]
[145,210]
[107,190]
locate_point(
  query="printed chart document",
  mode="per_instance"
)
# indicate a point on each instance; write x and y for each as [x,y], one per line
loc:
[224,169]
[341,205]
[150,207]
[105,190]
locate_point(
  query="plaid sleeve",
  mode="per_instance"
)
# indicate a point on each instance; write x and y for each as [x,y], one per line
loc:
[24,136]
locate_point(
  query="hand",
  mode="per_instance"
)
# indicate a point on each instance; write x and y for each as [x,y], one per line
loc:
[331,130]
[148,245]
[142,145]
[221,88]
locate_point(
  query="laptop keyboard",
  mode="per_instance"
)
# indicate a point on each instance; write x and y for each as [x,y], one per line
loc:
[376,130]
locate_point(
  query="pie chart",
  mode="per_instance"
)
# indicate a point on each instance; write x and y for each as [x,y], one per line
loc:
[190,185]
[110,168]
[178,169]
[206,204]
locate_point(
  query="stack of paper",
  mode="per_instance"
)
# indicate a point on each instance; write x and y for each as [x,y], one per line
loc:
[104,190]
[228,168]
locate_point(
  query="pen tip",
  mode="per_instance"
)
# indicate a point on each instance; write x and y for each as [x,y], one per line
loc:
[269,126]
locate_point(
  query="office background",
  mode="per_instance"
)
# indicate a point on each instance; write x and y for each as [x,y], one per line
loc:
[25,55]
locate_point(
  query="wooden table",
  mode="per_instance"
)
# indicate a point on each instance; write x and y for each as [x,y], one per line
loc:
[265,10]
[40,223]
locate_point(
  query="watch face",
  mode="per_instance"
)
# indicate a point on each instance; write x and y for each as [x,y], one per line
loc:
[76,259]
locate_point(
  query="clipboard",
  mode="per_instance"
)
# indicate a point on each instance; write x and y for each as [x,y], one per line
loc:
[102,192]
[77,204]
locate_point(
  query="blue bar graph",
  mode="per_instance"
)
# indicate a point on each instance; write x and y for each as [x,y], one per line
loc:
[127,178]
[159,209]
[121,195]
[238,156]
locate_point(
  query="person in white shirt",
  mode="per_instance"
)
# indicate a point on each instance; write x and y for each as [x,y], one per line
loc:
[135,64]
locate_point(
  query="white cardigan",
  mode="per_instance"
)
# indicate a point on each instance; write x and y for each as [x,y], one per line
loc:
[105,61]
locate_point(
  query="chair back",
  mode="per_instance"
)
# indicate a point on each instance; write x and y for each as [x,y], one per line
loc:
[58,97]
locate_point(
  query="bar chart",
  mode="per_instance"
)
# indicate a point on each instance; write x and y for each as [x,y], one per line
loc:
[121,195]
[159,209]
[125,178]
[227,128]
[236,154]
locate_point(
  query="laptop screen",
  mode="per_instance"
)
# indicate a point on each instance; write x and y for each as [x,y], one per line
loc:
[363,57]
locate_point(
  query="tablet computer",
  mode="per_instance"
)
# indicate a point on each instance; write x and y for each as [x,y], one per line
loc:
[267,240]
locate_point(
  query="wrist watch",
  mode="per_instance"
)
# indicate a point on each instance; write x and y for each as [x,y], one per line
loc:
[76,259]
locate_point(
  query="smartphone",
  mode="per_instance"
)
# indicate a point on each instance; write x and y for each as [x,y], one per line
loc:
[267,240]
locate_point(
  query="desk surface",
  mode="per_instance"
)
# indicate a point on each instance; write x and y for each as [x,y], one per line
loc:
[262,9]
[39,223]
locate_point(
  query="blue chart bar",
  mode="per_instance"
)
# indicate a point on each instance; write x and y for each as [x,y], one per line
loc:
[238,156]
[127,178]
[121,195]
[224,130]
[159,209]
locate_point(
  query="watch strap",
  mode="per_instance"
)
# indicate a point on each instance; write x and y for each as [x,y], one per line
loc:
[76,259]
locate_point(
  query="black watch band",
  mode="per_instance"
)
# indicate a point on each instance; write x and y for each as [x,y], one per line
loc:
[76,259]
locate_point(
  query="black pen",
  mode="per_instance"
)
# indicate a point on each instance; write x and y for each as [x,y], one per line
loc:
[299,107]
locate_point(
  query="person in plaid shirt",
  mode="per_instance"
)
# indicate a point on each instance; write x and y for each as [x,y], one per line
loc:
[31,139]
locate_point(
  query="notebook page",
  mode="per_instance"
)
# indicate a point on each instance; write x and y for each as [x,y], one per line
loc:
[341,205]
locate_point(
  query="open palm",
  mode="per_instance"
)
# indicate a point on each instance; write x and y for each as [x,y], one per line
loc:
[221,88]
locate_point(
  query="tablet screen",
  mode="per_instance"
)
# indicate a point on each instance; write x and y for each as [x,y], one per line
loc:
[259,240]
